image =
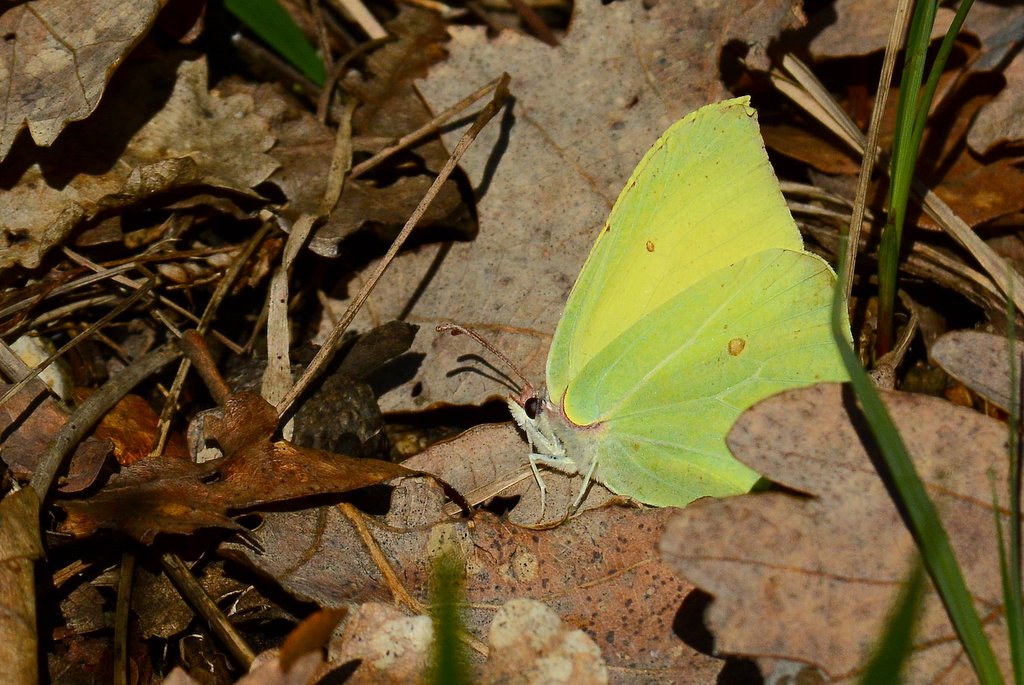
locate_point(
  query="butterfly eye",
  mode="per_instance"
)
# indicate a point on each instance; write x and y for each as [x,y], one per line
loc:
[532,407]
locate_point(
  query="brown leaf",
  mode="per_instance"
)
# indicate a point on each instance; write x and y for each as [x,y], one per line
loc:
[35,423]
[814,149]
[131,427]
[309,636]
[850,27]
[159,129]
[171,496]
[979,360]
[599,572]
[57,56]
[20,547]
[832,564]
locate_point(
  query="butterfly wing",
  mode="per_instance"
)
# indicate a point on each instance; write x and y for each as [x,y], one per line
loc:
[702,198]
[666,391]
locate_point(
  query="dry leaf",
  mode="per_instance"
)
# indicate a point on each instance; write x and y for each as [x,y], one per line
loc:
[814,148]
[981,361]
[130,427]
[813,579]
[549,167]
[599,572]
[56,58]
[851,27]
[35,423]
[20,547]
[158,130]
[999,122]
[163,495]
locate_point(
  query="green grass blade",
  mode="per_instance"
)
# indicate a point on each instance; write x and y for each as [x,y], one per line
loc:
[275,26]
[904,158]
[922,519]
[935,73]
[1010,560]
[897,643]
[1011,596]
[448,664]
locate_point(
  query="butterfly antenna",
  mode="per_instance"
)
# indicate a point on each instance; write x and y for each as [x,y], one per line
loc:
[455,329]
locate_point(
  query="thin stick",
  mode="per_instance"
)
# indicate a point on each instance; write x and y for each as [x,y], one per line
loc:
[221,291]
[327,350]
[203,604]
[426,129]
[113,271]
[896,34]
[90,329]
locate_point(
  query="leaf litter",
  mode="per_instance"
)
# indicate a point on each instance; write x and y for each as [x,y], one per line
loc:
[124,163]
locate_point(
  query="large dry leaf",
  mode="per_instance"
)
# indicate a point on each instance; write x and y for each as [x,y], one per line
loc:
[548,169]
[813,579]
[159,129]
[56,58]
[600,572]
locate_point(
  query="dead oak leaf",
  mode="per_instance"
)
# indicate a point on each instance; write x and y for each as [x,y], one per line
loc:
[813,579]
[163,495]
[599,572]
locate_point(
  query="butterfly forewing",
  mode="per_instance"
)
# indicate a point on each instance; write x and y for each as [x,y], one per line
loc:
[702,198]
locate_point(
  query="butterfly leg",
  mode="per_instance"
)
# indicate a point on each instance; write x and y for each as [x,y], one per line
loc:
[540,482]
[586,485]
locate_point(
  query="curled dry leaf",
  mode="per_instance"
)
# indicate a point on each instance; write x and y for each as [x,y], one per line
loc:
[599,572]
[163,495]
[981,361]
[35,422]
[812,579]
